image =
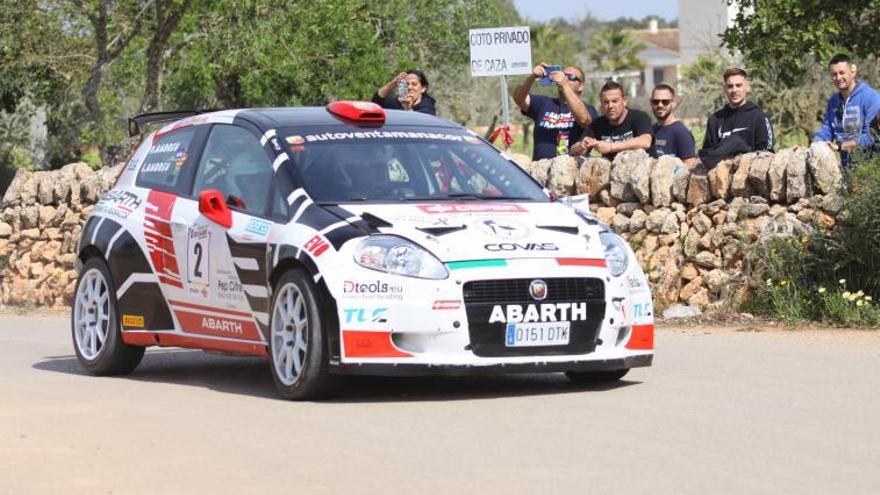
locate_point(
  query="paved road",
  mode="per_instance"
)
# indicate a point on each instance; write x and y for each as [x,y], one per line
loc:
[721,411]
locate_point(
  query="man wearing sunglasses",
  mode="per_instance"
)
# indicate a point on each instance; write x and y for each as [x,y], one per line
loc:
[850,111]
[559,121]
[671,137]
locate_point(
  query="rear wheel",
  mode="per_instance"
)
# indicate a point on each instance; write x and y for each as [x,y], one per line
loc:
[298,350]
[97,338]
[596,376]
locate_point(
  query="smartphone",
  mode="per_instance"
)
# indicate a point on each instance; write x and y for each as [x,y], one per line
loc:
[546,81]
[402,89]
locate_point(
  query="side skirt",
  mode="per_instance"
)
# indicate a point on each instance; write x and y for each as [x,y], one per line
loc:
[177,339]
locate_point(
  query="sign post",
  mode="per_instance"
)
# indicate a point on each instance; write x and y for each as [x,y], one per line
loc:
[501,52]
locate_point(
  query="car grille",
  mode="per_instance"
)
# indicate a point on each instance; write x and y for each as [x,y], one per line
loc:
[487,339]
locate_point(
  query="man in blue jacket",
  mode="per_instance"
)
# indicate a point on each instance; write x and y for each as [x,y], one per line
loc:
[850,111]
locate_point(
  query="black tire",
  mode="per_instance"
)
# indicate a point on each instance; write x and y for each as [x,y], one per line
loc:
[308,345]
[114,357]
[596,376]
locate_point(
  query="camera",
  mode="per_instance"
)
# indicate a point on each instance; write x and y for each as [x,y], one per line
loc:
[549,69]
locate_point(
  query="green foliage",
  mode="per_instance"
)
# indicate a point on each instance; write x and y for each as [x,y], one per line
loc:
[798,32]
[92,157]
[831,276]
[614,50]
[231,54]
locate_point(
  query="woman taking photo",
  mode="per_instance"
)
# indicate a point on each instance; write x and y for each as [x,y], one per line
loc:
[407,91]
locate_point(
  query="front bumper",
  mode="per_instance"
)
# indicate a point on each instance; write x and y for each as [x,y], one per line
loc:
[407,369]
[392,326]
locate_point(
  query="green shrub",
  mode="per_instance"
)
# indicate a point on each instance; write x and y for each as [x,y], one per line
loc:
[92,156]
[830,276]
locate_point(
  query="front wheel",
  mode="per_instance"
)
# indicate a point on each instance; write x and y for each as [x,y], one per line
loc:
[596,376]
[298,350]
[97,338]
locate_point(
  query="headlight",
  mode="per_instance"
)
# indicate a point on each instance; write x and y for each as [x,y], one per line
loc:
[392,254]
[615,252]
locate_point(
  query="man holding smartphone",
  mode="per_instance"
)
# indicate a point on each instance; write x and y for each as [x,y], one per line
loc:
[559,121]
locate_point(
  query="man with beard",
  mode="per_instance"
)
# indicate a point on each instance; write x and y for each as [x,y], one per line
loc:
[850,111]
[671,137]
[740,127]
[561,120]
[619,129]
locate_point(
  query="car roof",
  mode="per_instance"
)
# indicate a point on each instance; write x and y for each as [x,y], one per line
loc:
[272,118]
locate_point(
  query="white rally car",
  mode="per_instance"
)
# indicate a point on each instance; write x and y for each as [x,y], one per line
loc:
[345,240]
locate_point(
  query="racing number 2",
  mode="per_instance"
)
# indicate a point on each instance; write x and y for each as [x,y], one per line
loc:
[197,251]
[198,256]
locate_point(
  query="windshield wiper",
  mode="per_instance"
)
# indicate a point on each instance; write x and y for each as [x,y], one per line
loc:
[490,197]
[459,196]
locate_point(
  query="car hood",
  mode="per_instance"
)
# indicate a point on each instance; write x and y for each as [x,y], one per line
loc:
[487,230]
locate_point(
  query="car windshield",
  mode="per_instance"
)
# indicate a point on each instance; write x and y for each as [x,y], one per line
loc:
[397,164]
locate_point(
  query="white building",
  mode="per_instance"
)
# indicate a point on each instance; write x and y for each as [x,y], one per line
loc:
[700,23]
[660,55]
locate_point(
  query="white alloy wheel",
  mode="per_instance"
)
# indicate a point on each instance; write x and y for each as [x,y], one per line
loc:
[290,334]
[91,314]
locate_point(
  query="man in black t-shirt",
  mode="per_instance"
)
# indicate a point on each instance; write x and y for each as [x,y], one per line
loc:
[620,129]
[558,121]
[671,137]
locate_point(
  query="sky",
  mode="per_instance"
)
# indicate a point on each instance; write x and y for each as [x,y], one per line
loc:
[542,10]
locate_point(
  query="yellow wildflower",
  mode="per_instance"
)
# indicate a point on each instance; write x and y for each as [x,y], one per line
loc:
[821,290]
[841,281]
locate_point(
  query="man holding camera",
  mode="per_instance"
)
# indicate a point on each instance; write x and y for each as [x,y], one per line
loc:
[561,120]
[850,111]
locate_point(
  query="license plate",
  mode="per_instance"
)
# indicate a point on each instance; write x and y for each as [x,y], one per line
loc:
[537,334]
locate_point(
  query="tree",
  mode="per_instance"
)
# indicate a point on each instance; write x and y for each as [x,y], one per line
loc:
[614,50]
[167,15]
[799,32]
[112,27]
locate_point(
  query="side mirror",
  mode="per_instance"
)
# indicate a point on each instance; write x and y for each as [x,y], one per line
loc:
[214,207]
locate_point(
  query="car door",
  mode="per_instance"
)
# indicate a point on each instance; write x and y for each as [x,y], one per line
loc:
[142,254]
[226,221]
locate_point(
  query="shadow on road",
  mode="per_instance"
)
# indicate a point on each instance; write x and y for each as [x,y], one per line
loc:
[251,376]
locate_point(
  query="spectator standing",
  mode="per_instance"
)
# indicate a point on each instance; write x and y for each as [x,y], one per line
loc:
[619,129]
[559,121]
[671,137]
[850,111]
[417,98]
[740,127]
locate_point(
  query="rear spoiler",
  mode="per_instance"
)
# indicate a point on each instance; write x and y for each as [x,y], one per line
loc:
[136,123]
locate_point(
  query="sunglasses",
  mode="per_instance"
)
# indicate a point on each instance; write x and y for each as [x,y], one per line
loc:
[660,102]
[572,77]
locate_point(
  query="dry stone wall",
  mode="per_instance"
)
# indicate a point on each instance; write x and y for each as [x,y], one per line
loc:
[41,217]
[689,228]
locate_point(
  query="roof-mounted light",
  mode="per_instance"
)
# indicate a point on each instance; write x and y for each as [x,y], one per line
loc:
[358,111]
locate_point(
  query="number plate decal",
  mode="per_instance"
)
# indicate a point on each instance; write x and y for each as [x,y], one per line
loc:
[537,334]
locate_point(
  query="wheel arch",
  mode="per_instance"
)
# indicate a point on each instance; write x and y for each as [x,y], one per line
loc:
[326,301]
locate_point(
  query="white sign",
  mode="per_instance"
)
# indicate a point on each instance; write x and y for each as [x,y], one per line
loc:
[500,51]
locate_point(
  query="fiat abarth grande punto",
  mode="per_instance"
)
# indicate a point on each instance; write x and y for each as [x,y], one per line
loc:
[350,240]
